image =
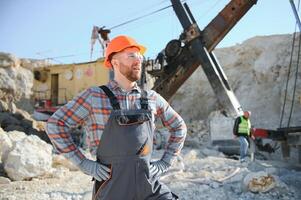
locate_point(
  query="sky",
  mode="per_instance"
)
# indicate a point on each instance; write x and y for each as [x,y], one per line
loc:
[60,30]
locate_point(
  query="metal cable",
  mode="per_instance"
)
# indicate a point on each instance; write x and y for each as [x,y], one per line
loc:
[146,15]
[297,69]
[295,83]
[137,18]
[288,77]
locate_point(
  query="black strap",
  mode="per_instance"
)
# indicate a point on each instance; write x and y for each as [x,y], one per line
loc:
[115,104]
[144,100]
[112,97]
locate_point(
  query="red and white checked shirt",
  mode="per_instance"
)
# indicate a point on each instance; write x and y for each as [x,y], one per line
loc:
[92,108]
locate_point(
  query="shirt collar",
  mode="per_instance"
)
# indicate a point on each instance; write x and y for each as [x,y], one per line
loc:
[115,86]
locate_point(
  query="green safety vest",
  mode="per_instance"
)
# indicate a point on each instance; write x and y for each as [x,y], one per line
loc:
[244,126]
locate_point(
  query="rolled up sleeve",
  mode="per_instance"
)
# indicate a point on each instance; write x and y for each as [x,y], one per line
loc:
[60,125]
[176,126]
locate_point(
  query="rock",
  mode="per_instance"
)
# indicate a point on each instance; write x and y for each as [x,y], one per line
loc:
[221,129]
[14,127]
[283,187]
[41,134]
[24,114]
[192,142]
[238,177]
[16,136]
[214,185]
[211,152]
[26,123]
[3,106]
[271,170]
[8,60]
[197,134]
[18,116]
[284,197]
[259,182]
[5,145]
[21,121]
[24,82]
[191,156]
[59,172]
[4,180]
[39,125]
[25,105]
[31,64]
[12,107]
[16,81]
[6,119]
[30,158]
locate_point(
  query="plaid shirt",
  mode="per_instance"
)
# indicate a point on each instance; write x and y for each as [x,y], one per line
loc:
[92,108]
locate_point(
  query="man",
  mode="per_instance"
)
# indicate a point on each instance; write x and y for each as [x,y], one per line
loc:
[242,130]
[119,122]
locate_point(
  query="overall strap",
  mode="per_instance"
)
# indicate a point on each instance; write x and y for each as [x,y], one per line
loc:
[144,100]
[113,100]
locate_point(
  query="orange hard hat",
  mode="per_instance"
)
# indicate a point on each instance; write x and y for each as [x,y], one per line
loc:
[118,44]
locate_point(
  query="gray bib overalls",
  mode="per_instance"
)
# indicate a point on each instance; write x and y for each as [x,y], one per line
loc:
[126,147]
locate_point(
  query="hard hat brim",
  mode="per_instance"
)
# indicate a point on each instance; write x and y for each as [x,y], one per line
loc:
[142,50]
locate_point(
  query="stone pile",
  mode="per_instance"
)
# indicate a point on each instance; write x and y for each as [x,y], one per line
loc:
[20,120]
[24,157]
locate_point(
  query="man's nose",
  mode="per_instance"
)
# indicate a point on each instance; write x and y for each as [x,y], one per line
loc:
[137,60]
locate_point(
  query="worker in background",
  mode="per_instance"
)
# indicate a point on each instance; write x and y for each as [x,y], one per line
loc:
[119,122]
[242,130]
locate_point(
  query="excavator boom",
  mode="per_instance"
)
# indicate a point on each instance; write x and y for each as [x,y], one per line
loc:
[183,56]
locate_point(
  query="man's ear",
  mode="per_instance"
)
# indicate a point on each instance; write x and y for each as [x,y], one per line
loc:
[114,63]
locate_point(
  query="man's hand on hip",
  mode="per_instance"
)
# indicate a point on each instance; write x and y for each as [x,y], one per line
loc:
[98,171]
[158,167]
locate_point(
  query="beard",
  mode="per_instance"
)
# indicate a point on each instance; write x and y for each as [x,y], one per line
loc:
[131,74]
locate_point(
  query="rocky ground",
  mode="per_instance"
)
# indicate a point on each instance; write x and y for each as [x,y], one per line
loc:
[201,172]
[197,176]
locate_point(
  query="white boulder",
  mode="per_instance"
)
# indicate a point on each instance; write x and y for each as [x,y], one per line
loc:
[4,180]
[31,157]
[5,145]
[16,136]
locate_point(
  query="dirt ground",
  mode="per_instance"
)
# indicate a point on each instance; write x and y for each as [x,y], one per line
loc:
[195,177]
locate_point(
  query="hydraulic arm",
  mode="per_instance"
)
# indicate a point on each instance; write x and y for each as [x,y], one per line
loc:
[181,57]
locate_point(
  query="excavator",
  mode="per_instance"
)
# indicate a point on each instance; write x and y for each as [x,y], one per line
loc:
[193,49]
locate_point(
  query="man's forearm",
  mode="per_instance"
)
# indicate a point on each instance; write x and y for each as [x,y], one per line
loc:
[175,144]
[62,141]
